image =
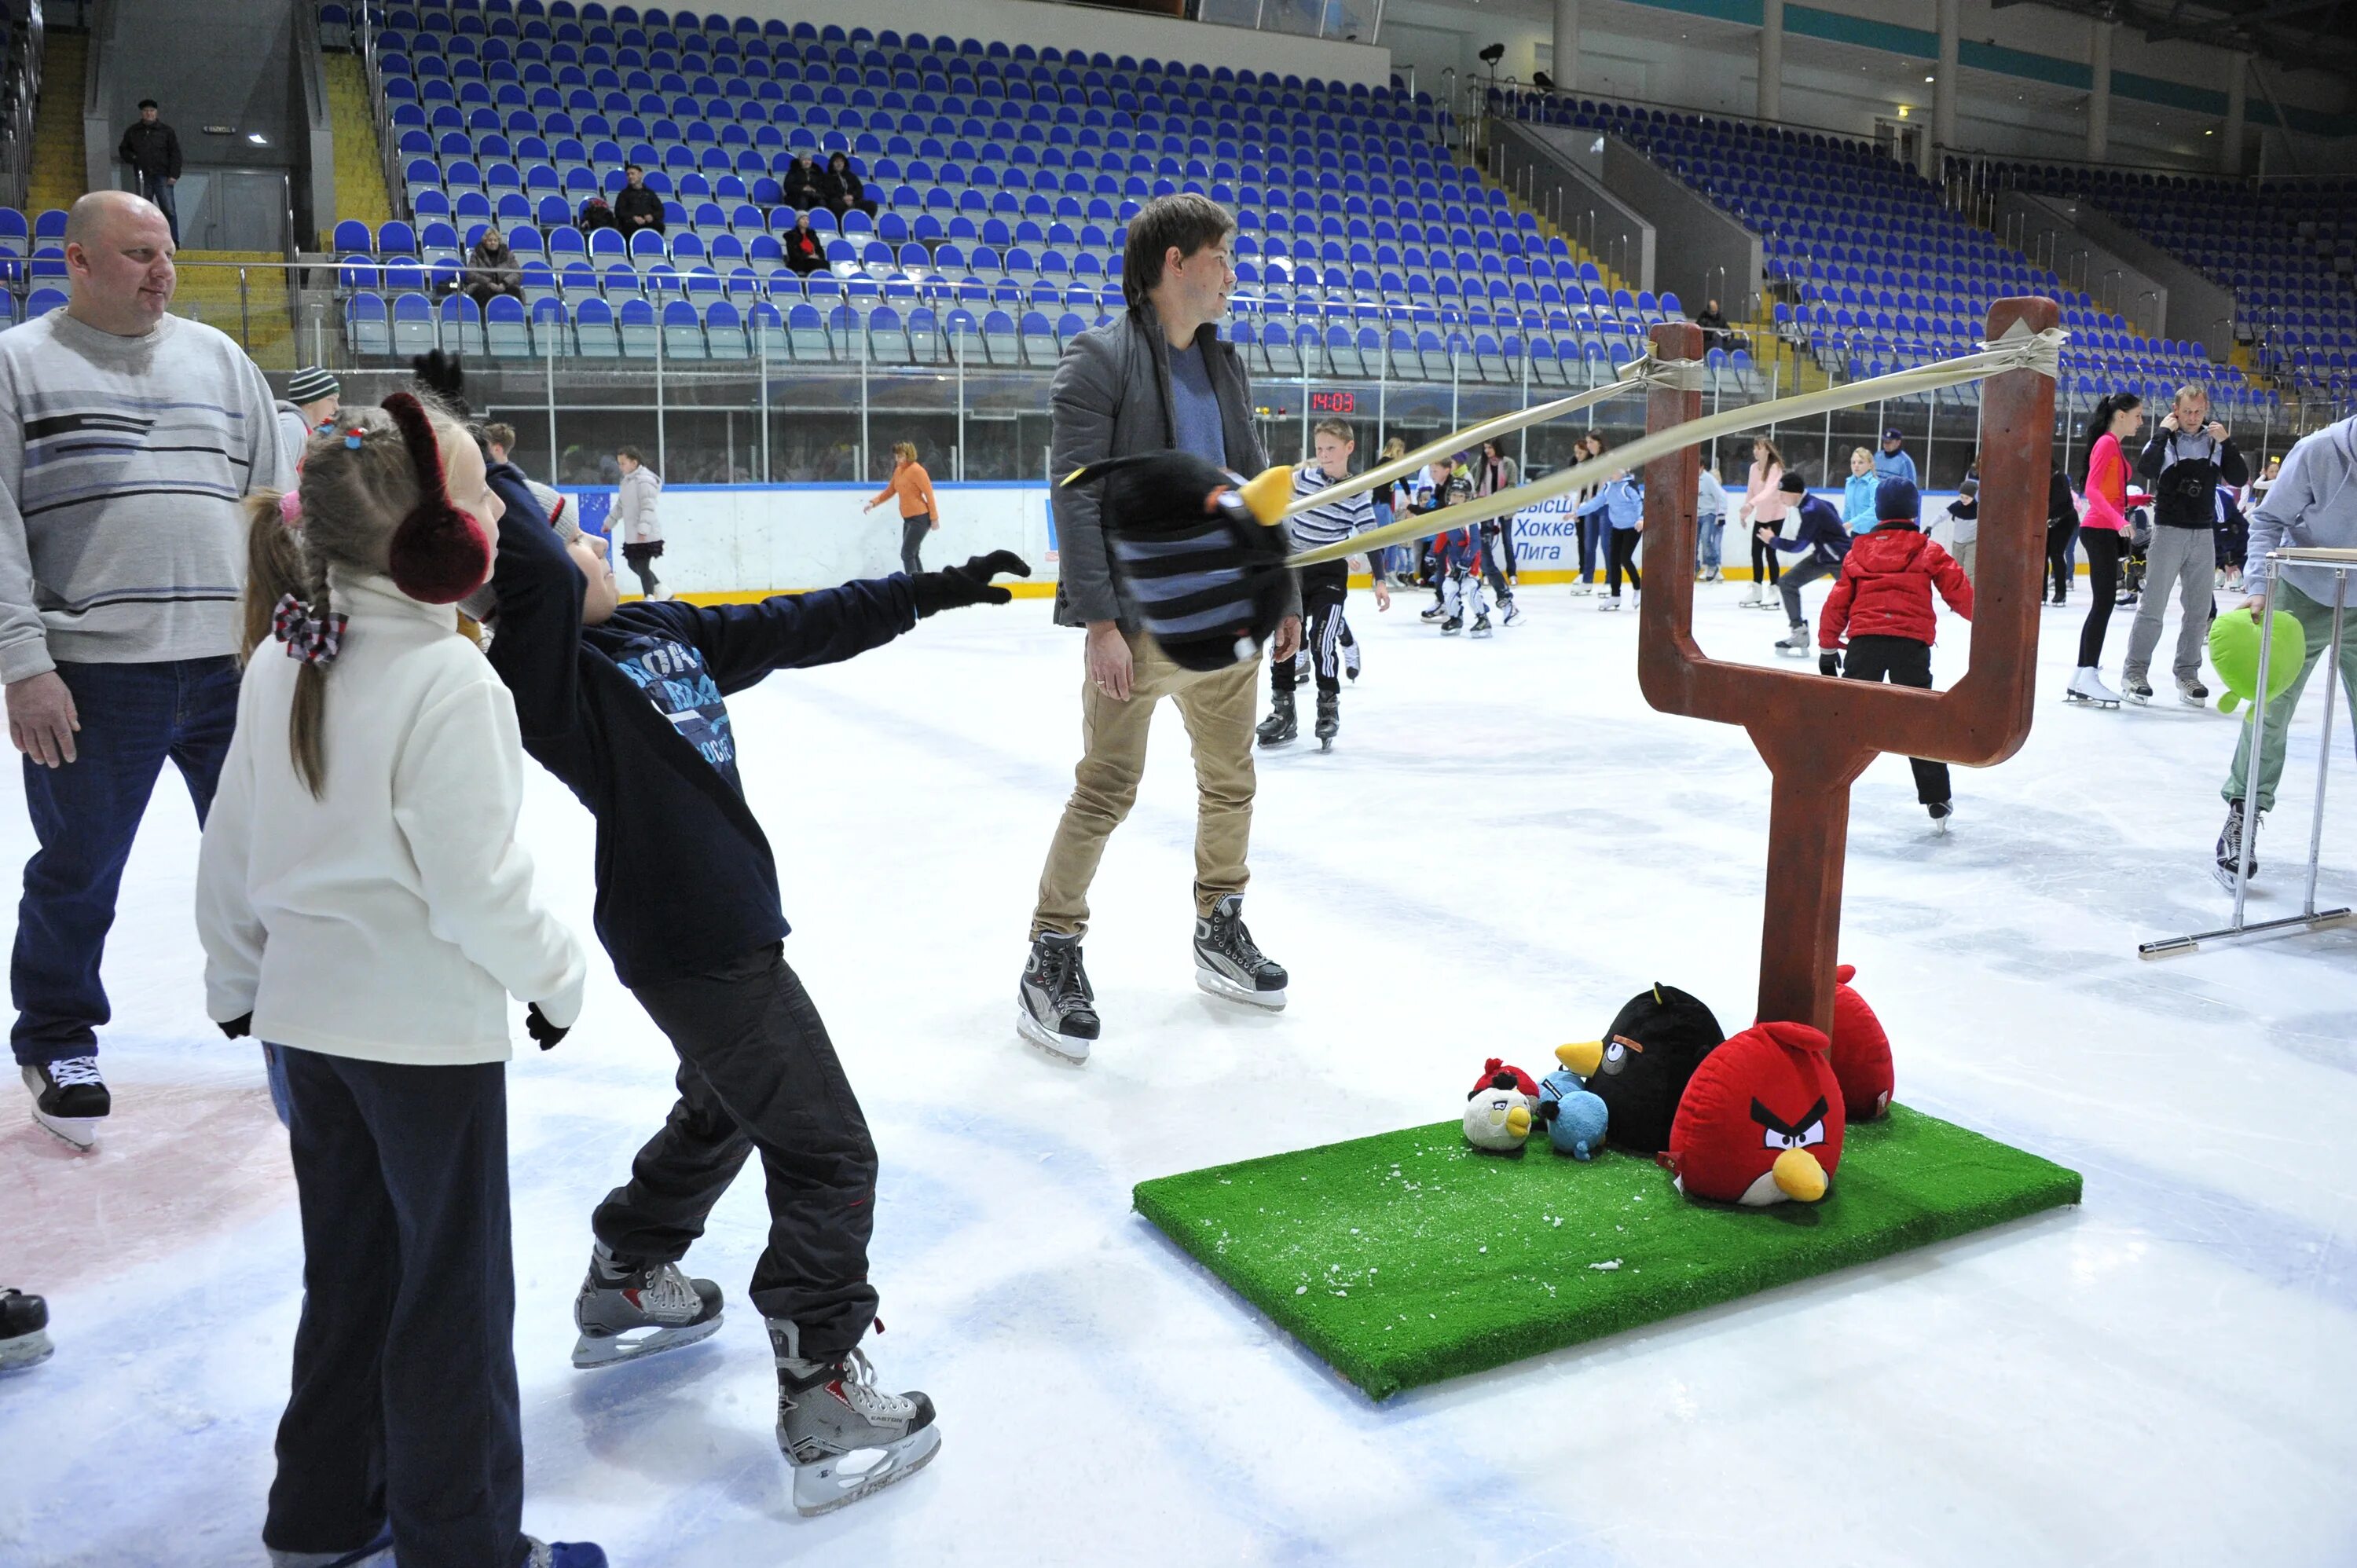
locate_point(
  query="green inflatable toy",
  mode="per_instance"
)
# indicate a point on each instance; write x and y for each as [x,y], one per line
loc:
[2234,650]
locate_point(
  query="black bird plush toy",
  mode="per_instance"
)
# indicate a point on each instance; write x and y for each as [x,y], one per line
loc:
[1200,550]
[1655,1043]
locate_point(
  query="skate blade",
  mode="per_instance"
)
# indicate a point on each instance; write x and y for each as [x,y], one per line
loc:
[591,1352]
[81,1132]
[1063,1047]
[832,1483]
[1217,984]
[26,1350]
[1326,745]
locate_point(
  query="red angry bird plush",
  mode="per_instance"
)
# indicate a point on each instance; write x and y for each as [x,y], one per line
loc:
[1861,1052]
[1762,1120]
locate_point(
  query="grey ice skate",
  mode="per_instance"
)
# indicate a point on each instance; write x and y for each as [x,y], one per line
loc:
[2134,687]
[69,1098]
[2229,861]
[1228,964]
[845,1436]
[2191,692]
[628,1309]
[1795,644]
[377,1553]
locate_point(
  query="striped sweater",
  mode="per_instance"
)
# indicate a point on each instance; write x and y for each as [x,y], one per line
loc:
[1335,521]
[122,462]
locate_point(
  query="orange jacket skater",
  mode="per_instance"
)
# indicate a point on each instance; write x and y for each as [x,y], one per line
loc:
[919,513]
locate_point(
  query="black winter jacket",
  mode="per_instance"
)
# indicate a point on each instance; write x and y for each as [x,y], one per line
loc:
[154,150]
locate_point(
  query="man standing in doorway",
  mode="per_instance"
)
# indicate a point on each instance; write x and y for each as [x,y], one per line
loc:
[152,149]
[1159,379]
[127,438]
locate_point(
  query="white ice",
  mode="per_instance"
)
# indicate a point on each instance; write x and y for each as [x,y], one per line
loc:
[1505,844]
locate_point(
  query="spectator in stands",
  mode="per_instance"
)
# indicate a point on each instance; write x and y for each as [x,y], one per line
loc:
[147,547]
[492,270]
[1893,461]
[1715,334]
[634,522]
[595,215]
[842,190]
[2312,504]
[801,187]
[1763,502]
[1158,377]
[805,251]
[919,513]
[2189,457]
[152,149]
[636,207]
[1857,492]
[2104,531]
[313,398]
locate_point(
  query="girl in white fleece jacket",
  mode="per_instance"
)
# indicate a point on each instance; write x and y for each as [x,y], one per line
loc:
[366,910]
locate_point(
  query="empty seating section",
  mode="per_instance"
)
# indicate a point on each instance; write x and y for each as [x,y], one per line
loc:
[2287,249]
[1875,272]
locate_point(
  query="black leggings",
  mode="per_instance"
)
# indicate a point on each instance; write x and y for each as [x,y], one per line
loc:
[1763,561]
[2059,534]
[1902,661]
[2102,547]
[1623,559]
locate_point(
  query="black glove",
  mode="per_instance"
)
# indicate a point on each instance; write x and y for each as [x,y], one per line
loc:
[536,1025]
[238,1028]
[1828,662]
[967,584]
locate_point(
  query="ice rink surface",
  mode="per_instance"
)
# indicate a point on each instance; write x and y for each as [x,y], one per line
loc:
[1506,843]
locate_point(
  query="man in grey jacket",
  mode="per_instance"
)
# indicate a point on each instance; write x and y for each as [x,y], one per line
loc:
[1159,378]
[2313,505]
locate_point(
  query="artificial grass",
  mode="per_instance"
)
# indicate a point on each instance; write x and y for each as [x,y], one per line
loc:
[1410,1257]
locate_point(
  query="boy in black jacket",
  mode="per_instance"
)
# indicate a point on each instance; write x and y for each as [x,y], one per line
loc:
[2189,457]
[627,706]
[1811,524]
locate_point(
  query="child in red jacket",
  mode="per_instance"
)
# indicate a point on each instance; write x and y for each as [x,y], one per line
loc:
[1883,600]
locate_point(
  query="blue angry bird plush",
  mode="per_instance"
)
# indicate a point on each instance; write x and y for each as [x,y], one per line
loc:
[1574,1119]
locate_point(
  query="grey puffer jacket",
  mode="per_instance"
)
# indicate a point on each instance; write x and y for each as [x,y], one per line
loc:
[1111,398]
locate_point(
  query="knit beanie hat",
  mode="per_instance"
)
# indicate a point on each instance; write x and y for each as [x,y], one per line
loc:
[1793,484]
[1898,500]
[311,384]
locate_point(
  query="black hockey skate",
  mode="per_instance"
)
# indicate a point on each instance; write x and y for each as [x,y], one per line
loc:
[1438,612]
[630,1308]
[1452,625]
[2230,845]
[1481,624]
[69,1098]
[1330,719]
[1228,964]
[24,1330]
[1281,727]
[830,1413]
[1054,1007]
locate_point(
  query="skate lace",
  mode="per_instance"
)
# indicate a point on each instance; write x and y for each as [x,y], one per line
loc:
[860,1392]
[1239,945]
[1068,988]
[75,1071]
[667,1293]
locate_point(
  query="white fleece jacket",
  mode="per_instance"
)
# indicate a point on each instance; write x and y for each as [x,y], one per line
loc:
[391,918]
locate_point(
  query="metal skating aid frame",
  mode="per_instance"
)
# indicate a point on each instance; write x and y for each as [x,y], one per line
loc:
[2340,563]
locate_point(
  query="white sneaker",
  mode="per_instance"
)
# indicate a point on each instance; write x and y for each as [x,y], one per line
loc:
[2087,686]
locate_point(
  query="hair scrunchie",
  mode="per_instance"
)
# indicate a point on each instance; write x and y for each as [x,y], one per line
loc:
[314,640]
[290,510]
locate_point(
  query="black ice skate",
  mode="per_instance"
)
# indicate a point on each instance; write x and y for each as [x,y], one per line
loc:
[1481,624]
[24,1330]
[1330,719]
[2230,846]
[1514,611]
[1280,728]
[1054,1007]
[1438,612]
[69,1098]
[1228,964]
[845,1436]
[1452,625]
[630,1308]
[2192,692]
[1941,810]
[2134,687]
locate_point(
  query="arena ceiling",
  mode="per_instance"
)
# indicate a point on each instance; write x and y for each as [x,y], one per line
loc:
[2297,35]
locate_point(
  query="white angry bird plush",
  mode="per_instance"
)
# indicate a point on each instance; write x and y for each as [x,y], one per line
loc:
[1502,1110]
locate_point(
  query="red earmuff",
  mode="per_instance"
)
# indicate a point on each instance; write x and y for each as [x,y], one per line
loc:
[439,554]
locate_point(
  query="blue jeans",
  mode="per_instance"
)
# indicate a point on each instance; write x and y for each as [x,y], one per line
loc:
[1591,531]
[159,190]
[85,815]
[1707,529]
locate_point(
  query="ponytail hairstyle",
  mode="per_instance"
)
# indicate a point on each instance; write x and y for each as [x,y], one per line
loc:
[2099,425]
[369,504]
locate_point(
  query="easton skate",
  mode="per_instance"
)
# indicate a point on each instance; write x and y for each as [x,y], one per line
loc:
[628,1309]
[845,1436]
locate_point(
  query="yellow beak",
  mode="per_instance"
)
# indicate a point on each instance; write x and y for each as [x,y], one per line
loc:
[1518,1120]
[1799,1175]
[1583,1058]
[1269,495]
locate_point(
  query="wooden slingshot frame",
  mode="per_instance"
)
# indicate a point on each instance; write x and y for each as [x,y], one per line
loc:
[1818,735]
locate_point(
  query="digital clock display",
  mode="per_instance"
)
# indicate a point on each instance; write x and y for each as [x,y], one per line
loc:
[1333,402]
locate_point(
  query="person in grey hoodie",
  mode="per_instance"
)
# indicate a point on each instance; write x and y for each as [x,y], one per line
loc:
[635,523]
[2312,505]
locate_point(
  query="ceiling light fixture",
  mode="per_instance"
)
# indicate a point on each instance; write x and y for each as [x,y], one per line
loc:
[257,138]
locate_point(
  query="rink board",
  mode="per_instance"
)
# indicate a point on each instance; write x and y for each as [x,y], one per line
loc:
[1410,1257]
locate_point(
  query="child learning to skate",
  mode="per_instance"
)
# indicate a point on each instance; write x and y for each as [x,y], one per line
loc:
[1324,587]
[1882,601]
[364,906]
[627,706]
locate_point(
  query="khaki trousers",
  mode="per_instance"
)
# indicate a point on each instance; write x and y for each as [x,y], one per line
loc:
[1218,710]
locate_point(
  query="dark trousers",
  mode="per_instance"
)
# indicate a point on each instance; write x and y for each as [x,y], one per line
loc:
[404,1404]
[758,1071]
[1799,577]
[1323,588]
[641,560]
[85,815]
[2104,549]
[158,189]
[2060,532]
[1592,531]
[1497,554]
[1903,662]
[912,534]
[1622,558]
[1764,568]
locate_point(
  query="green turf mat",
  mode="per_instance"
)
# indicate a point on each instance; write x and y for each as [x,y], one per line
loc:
[1409,1257]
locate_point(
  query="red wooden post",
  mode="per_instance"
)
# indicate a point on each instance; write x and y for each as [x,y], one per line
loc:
[1817,735]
